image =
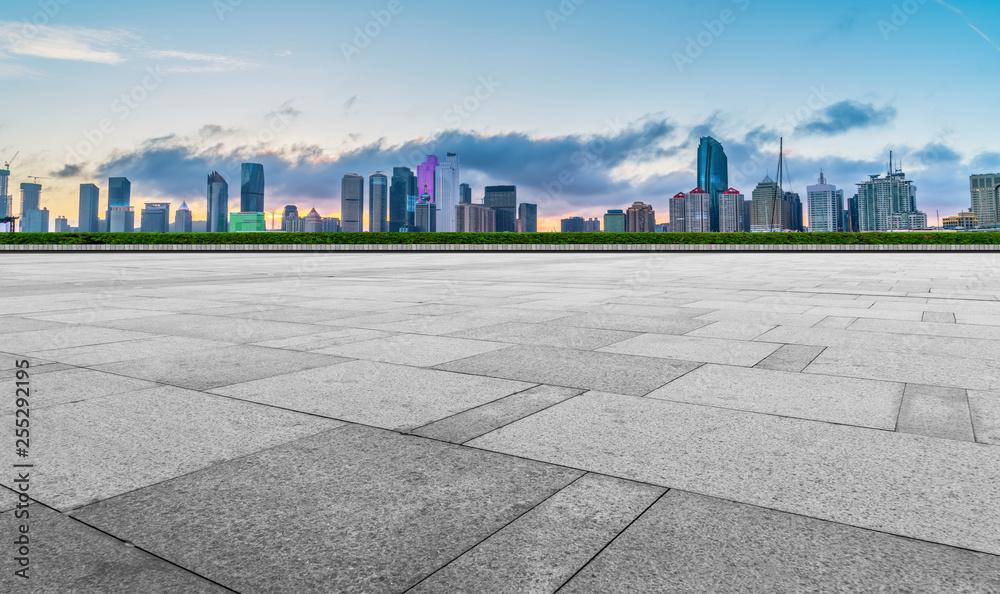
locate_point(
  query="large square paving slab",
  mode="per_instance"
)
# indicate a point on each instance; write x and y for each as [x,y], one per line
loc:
[352,510]
[855,476]
[414,349]
[240,330]
[688,348]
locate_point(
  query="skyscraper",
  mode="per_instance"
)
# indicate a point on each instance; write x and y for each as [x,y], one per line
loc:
[678,210]
[155,218]
[852,224]
[90,198]
[31,218]
[697,211]
[447,196]
[592,225]
[985,198]
[290,218]
[120,194]
[826,207]
[331,225]
[767,209]
[62,225]
[352,202]
[527,214]
[731,211]
[403,198]
[313,222]
[425,217]
[252,188]
[6,202]
[378,202]
[218,204]
[573,225]
[121,219]
[183,222]
[503,199]
[889,204]
[474,218]
[465,193]
[614,221]
[640,218]
[426,176]
[713,175]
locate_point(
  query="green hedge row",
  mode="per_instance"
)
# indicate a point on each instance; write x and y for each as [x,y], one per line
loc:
[498,238]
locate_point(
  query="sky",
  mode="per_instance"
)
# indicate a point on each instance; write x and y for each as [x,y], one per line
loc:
[585,105]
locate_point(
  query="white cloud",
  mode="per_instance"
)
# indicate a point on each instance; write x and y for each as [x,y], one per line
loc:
[198,62]
[64,43]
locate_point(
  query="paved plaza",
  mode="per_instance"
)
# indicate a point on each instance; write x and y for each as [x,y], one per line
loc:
[441,423]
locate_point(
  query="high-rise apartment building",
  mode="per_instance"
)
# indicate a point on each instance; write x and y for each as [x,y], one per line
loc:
[403,196]
[889,204]
[640,218]
[447,192]
[62,225]
[678,213]
[290,218]
[120,194]
[713,175]
[592,225]
[426,176]
[527,216]
[503,199]
[475,218]
[986,198]
[697,211]
[183,222]
[352,202]
[465,193]
[252,188]
[826,207]
[731,211]
[218,204]
[614,221]
[378,203]
[90,199]
[155,218]
[768,209]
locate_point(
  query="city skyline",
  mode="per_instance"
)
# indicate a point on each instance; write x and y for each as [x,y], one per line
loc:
[515,121]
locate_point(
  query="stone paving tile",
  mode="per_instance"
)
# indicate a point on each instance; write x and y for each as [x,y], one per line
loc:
[861,477]
[731,330]
[291,314]
[131,350]
[481,420]
[15,325]
[414,349]
[95,314]
[614,321]
[359,305]
[959,330]
[687,348]
[65,337]
[543,549]
[888,313]
[37,367]
[8,500]
[586,370]
[554,335]
[882,341]
[324,340]
[939,317]
[75,384]
[221,367]
[68,556]
[352,510]
[985,406]
[238,330]
[836,323]
[848,401]
[936,412]
[931,370]
[749,306]
[764,318]
[791,357]
[377,394]
[691,543]
[370,321]
[644,311]
[107,446]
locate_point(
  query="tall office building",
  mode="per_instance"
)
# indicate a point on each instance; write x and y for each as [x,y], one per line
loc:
[768,210]
[889,204]
[826,207]
[378,203]
[90,198]
[985,198]
[252,188]
[713,175]
[731,211]
[31,199]
[640,218]
[6,202]
[218,204]
[465,193]
[121,219]
[62,225]
[614,221]
[426,174]
[155,218]
[527,216]
[183,222]
[475,218]
[331,225]
[403,198]
[852,225]
[425,217]
[289,218]
[573,225]
[447,196]
[313,222]
[352,202]
[119,194]
[503,199]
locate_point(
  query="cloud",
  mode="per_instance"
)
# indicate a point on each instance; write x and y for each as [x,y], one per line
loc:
[64,43]
[936,153]
[194,62]
[350,103]
[988,162]
[847,115]
[68,171]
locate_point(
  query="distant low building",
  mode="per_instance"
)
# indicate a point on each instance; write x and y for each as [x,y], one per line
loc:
[640,218]
[183,223]
[247,222]
[62,225]
[155,218]
[475,218]
[574,225]
[313,222]
[592,225]
[614,221]
[963,220]
[331,225]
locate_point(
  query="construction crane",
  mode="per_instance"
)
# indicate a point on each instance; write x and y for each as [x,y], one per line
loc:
[7,164]
[36,177]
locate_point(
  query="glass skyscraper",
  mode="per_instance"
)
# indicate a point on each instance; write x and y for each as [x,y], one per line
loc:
[120,194]
[465,194]
[5,201]
[503,199]
[403,197]
[352,202]
[378,202]
[90,197]
[713,175]
[447,197]
[528,215]
[218,204]
[182,220]
[252,188]
[155,218]
[426,172]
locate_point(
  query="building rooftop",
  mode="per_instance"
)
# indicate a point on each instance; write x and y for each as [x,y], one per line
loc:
[502,422]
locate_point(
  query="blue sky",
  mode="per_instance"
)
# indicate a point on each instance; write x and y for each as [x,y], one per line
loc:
[585,105]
